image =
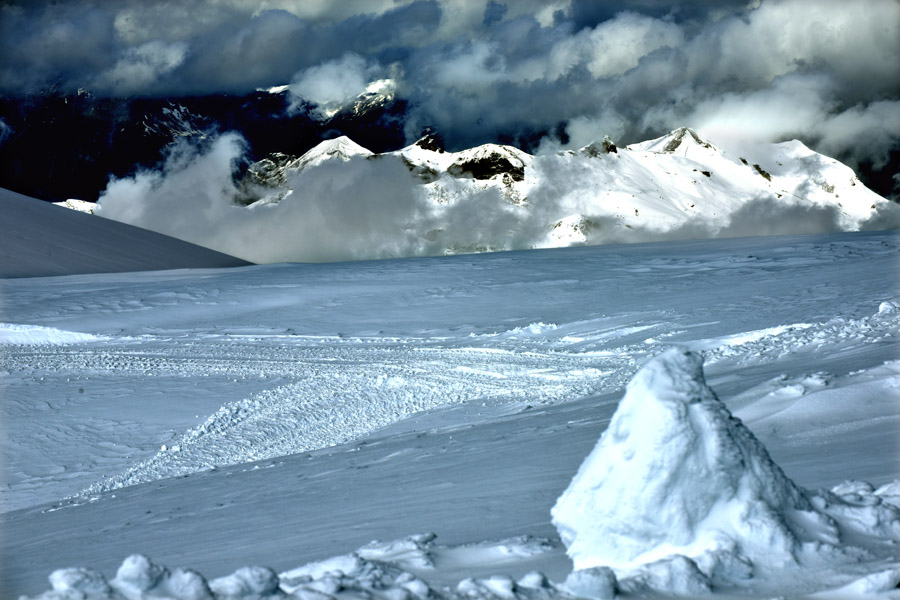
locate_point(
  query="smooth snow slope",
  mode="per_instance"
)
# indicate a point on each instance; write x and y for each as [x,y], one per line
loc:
[38,239]
[384,399]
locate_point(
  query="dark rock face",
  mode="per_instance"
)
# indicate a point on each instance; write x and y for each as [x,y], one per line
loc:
[607,146]
[431,141]
[762,172]
[487,167]
[57,146]
[421,172]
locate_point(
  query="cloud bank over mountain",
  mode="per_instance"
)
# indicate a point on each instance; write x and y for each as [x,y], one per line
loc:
[339,201]
[560,73]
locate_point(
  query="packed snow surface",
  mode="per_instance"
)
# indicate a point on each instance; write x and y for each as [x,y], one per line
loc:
[255,429]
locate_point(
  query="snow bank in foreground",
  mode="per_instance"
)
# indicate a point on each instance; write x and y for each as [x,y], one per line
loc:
[377,571]
[680,496]
[677,498]
[28,335]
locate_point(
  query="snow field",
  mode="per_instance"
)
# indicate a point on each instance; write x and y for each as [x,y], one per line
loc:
[452,395]
[375,382]
[711,513]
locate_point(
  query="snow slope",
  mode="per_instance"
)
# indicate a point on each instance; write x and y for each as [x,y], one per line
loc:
[288,415]
[38,239]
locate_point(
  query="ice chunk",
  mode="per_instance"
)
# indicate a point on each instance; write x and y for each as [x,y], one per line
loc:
[80,582]
[888,307]
[138,573]
[247,582]
[676,474]
[594,583]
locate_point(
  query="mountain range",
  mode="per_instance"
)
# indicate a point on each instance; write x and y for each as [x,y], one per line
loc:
[342,201]
[56,146]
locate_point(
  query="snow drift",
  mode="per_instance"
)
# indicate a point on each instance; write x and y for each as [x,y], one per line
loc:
[34,335]
[680,496]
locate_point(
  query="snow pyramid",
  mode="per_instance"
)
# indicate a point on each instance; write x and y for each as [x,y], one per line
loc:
[676,474]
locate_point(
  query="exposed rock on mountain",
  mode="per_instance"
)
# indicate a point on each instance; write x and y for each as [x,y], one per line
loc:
[342,201]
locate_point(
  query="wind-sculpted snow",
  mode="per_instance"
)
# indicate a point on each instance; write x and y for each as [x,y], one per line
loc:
[33,335]
[283,388]
[679,496]
[373,382]
[342,392]
[378,571]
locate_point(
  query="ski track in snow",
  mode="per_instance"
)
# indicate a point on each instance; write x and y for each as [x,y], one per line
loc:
[375,382]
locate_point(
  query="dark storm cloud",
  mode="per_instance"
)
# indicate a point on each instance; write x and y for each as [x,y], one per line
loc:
[175,48]
[567,71]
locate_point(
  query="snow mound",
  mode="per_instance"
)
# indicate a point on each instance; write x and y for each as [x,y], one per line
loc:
[675,473]
[378,571]
[678,495]
[32,335]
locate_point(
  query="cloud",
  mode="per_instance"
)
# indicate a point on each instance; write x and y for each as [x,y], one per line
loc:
[365,208]
[5,131]
[373,207]
[141,66]
[335,81]
[361,209]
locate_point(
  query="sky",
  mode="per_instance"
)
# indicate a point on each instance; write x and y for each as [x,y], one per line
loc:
[563,71]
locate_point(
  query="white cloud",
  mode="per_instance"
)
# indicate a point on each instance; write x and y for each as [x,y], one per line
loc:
[334,82]
[140,67]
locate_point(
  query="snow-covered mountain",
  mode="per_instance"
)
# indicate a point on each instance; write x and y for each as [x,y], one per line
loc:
[674,186]
[60,146]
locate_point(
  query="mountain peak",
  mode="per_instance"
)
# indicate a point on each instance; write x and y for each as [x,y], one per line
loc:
[681,135]
[341,147]
[431,141]
[679,141]
[606,146]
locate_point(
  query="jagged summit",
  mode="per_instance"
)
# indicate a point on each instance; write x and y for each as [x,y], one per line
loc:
[605,146]
[677,137]
[676,186]
[681,142]
[431,141]
[675,181]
